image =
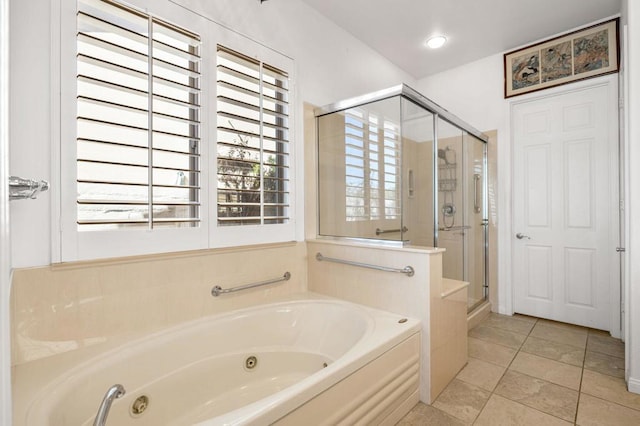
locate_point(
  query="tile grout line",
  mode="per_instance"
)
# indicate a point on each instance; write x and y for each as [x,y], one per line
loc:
[505,371]
[552,359]
[511,362]
[501,329]
[581,373]
[546,340]
[594,396]
[611,402]
[584,360]
[582,369]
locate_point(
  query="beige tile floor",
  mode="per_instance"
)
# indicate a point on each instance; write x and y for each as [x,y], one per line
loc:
[529,371]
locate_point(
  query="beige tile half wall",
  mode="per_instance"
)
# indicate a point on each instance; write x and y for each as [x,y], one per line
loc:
[419,297]
[63,308]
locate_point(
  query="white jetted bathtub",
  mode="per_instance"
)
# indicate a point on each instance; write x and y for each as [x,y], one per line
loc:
[308,361]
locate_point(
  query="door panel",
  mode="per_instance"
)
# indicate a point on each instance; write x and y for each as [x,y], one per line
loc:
[539,277]
[562,266]
[579,276]
[578,183]
[538,186]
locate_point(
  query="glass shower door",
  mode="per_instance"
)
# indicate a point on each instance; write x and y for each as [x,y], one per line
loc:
[450,210]
[417,174]
[461,208]
[475,235]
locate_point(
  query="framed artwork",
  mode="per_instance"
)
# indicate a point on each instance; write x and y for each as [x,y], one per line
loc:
[586,53]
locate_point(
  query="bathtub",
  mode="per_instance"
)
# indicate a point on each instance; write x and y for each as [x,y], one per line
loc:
[310,359]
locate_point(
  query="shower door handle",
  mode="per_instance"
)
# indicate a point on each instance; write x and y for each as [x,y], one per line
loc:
[476,204]
[520,236]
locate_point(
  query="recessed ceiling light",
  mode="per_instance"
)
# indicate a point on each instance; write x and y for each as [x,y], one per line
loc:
[436,42]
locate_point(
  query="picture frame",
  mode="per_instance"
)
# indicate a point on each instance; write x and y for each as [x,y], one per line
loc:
[582,54]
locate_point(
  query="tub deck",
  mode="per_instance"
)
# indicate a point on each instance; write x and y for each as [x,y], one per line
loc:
[197,373]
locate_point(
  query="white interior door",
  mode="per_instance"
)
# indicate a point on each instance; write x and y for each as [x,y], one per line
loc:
[565,195]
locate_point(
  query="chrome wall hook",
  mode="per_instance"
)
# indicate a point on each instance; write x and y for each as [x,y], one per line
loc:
[21,189]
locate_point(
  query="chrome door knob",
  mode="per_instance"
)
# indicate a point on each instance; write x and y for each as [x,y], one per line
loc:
[520,236]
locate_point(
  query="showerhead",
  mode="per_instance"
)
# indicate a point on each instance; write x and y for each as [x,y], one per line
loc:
[448,155]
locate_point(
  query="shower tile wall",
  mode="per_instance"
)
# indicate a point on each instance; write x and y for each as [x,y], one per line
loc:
[450,192]
[460,189]
[332,129]
[422,203]
[365,163]
[411,202]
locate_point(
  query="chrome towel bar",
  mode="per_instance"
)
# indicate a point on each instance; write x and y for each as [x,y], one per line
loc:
[454,228]
[407,270]
[217,290]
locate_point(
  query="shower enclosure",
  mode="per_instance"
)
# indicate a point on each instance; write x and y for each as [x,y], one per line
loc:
[396,168]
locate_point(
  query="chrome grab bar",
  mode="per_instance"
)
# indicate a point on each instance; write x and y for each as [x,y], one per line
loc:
[114,392]
[386,231]
[476,206]
[408,270]
[217,290]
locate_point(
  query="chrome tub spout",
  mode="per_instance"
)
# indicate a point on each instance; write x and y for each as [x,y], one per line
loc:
[115,391]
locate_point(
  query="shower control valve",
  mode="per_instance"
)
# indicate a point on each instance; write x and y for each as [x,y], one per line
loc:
[448,210]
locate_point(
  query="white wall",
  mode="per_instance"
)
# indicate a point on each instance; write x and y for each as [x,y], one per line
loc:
[473,92]
[30,127]
[632,9]
[5,278]
[330,65]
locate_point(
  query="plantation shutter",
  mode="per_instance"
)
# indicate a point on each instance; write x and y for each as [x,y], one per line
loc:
[138,120]
[372,167]
[253,141]
[391,170]
[357,164]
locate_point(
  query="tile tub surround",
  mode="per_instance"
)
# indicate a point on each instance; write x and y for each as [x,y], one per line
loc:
[447,332]
[90,306]
[440,305]
[543,381]
[388,291]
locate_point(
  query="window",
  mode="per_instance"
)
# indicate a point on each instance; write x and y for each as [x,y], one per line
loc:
[372,167]
[253,141]
[168,141]
[138,122]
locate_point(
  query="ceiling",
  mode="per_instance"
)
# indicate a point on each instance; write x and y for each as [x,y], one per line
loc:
[475,29]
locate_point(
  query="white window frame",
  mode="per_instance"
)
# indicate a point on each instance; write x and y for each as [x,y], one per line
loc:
[226,236]
[70,244]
